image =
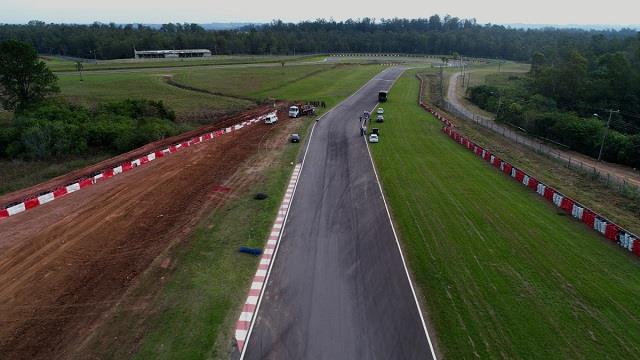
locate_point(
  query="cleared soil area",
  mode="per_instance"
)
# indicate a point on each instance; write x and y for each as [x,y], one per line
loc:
[131,155]
[65,265]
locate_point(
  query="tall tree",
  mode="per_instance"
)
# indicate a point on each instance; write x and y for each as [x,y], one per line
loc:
[24,79]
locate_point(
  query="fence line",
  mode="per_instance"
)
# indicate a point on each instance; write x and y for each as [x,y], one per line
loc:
[614,181]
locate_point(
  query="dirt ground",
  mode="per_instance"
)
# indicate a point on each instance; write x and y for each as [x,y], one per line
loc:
[65,265]
[216,124]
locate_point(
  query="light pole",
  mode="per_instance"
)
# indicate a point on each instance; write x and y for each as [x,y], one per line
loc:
[606,131]
[499,102]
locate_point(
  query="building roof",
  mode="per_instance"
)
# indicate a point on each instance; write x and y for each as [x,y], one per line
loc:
[158,52]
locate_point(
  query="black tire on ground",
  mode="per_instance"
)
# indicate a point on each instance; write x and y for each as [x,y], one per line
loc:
[261,196]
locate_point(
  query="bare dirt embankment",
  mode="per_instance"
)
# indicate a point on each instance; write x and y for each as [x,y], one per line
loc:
[64,265]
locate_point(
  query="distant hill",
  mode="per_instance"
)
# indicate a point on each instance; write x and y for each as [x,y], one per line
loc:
[598,27]
[214,25]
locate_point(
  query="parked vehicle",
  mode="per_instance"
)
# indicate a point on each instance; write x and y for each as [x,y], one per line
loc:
[380,118]
[295,138]
[382,96]
[301,110]
[373,138]
[271,119]
[380,110]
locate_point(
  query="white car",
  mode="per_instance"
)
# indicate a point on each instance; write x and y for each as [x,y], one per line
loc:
[380,111]
[270,119]
[373,138]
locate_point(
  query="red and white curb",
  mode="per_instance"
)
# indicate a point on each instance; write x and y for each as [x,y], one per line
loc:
[122,168]
[258,284]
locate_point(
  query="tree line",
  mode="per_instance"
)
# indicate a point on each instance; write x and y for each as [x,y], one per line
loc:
[567,97]
[433,35]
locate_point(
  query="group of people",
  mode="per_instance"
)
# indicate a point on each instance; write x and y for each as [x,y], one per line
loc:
[317,103]
[363,123]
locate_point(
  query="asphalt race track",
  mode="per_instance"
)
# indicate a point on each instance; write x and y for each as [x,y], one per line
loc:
[338,288]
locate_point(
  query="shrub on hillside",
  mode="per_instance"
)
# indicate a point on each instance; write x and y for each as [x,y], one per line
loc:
[57,129]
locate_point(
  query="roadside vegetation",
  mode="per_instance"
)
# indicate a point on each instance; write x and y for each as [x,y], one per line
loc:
[566,97]
[517,277]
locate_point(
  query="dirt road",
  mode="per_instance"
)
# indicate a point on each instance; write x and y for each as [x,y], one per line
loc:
[454,97]
[66,264]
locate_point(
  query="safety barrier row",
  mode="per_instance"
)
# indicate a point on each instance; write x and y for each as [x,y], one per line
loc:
[126,166]
[590,218]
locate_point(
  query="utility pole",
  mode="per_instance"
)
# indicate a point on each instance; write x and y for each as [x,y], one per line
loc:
[463,72]
[441,82]
[606,131]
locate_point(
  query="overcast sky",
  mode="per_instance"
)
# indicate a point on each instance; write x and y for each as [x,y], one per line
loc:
[615,12]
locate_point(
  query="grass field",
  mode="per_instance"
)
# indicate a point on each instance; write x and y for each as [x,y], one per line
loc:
[624,210]
[105,87]
[301,82]
[59,64]
[246,81]
[503,274]
[330,86]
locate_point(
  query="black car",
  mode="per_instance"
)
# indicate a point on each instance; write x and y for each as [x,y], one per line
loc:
[295,138]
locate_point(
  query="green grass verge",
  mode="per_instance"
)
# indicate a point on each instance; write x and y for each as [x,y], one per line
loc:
[503,273]
[198,306]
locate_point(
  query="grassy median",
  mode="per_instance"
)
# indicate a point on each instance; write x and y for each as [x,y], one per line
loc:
[503,274]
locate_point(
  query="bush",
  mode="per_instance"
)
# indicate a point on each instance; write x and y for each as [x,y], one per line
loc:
[57,129]
[485,97]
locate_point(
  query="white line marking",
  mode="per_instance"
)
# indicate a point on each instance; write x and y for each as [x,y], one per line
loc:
[404,264]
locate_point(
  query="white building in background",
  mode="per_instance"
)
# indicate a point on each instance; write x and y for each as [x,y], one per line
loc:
[155,54]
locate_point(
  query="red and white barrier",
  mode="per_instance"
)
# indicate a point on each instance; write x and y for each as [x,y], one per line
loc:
[599,223]
[30,203]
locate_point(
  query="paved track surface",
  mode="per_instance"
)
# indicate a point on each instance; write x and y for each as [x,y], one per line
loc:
[338,288]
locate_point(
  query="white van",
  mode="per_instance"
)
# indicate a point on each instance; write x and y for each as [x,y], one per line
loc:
[294,112]
[271,119]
